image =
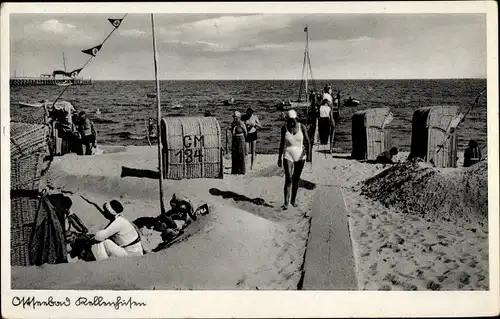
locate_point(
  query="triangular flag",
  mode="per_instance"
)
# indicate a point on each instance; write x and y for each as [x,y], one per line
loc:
[93,51]
[115,22]
[74,73]
[305,29]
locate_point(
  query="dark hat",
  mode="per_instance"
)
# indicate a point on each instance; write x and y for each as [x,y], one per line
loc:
[114,207]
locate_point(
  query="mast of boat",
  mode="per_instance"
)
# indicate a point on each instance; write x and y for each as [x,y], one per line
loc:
[158,106]
[306,59]
[64,62]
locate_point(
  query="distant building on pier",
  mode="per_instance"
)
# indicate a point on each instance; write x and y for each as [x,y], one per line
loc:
[48,79]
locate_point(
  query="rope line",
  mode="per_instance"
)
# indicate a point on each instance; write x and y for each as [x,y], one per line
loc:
[90,58]
[472,105]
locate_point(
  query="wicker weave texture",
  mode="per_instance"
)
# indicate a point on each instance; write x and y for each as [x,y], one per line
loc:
[26,172]
[192,147]
[27,138]
[20,255]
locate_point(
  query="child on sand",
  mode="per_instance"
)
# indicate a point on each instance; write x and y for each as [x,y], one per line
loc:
[386,156]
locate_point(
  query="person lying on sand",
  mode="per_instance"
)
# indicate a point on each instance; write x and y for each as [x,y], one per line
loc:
[172,222]
[120,238]
[386,156]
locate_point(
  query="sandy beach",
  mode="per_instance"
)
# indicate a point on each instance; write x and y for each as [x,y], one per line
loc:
[248,242]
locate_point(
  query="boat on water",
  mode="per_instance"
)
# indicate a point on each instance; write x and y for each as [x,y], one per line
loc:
[351,102]
[306,66]
[151,95]
[65,82]
[33,105]
[177,106]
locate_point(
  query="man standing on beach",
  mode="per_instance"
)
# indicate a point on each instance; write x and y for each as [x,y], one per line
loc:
[87,132]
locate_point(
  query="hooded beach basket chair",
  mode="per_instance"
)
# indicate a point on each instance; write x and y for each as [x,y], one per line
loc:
[192,148]
[370,136]
[431,137]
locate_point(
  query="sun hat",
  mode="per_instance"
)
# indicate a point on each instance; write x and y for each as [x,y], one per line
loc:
[237,113]
[292,114]
[113,207]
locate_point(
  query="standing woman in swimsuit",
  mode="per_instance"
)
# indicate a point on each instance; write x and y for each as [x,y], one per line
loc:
[252,123]
[295,154]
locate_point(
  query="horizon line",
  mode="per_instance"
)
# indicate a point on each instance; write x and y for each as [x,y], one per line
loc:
[297,79]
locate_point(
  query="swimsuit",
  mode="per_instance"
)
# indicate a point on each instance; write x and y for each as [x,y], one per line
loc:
[294,146]
[252,130]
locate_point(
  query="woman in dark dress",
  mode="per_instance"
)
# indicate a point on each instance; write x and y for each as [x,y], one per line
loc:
[238,145]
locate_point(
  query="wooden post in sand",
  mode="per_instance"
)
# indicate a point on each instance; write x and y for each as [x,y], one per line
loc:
[158,104]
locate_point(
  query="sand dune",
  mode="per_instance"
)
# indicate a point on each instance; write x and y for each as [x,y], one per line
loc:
[423,231]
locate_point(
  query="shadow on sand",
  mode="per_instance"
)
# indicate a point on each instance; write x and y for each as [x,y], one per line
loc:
[143,173]
[307,185]
[238,197]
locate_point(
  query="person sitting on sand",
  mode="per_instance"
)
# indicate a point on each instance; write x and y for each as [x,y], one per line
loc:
[472,154]
[292,148]
[120,238]
[386,156]
[87,133]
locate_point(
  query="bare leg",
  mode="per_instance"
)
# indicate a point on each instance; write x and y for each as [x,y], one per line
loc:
[332,138]
[288,166]
[297,171]
[252,150]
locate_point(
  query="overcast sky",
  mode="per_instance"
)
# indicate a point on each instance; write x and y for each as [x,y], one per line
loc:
[263,46]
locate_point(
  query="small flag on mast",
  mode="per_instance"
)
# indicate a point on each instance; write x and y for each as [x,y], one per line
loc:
[74,73]
[115,22]
[305,29]
[93,51]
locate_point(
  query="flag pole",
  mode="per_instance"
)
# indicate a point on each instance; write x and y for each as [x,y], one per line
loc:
[158,119]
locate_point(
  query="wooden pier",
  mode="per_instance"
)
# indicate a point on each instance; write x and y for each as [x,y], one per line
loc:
[32,81]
